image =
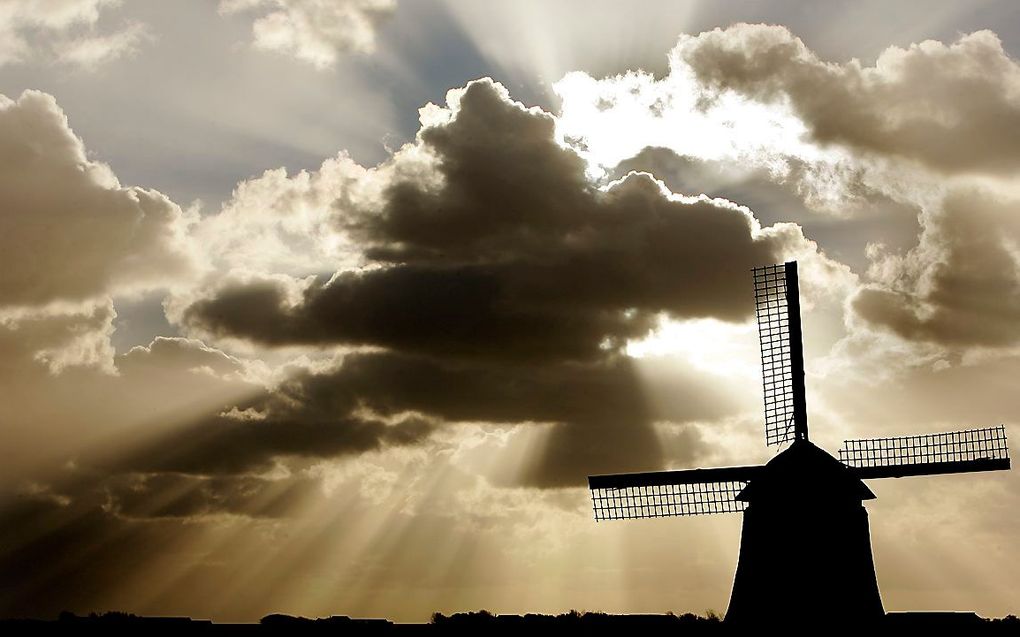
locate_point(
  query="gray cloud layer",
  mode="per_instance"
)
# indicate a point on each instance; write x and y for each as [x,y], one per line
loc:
[953,112]
[954,108]
[315,31]
[69,230]
[961,285]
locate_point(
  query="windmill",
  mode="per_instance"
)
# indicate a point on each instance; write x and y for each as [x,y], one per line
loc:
[805,546]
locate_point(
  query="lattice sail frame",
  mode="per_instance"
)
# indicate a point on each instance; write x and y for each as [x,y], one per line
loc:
[667,500]
[772,311]
[946,448]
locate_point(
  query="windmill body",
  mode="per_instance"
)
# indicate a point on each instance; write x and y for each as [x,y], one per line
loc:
[805,548]
[805,541]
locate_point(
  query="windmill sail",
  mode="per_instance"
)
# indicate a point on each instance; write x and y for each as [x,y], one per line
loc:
[658,494]
[949,452]
[777,309]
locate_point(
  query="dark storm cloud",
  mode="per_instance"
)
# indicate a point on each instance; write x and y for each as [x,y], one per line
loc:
[514,256]
[602,410]
[599,412]
[502,284]
[248,441]
[954,108]
[392,383]
[462,311]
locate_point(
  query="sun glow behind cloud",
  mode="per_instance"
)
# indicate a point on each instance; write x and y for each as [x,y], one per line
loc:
[726,349]
[612,119]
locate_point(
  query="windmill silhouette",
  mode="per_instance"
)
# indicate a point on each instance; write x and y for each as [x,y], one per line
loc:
[805,546]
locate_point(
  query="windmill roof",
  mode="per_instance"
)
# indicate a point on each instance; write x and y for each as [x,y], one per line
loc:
[805,471]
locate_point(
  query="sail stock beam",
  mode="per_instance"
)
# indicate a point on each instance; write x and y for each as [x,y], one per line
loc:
[656,494]
[777,311]
[800,429]
[932,468]
[964,451]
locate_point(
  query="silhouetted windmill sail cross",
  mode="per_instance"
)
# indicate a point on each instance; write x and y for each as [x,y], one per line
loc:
[805,542]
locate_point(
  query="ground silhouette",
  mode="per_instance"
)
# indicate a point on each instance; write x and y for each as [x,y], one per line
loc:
[485,623]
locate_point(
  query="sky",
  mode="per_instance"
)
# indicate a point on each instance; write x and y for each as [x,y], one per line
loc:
[330,307]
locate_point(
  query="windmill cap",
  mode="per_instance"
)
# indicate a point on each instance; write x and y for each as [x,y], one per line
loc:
[805,471]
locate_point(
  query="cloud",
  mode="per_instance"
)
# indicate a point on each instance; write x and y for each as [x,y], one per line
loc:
[502,249]
[613,119]
[175,355]
[57,337]
[490,263]
[280,224]
[234,444]
[315,31]
[71,237]
[845,225]
[174,495]
[954,108]
[64,30]
[925,124]
[598,416]
[78,401]
[313,413]
[908,155]
[960,286]
[70,231]
[600,413]
[94,50]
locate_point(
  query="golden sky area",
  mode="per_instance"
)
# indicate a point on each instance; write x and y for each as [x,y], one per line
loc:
[330,307]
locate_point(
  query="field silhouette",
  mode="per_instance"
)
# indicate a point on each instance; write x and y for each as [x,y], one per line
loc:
[485,623]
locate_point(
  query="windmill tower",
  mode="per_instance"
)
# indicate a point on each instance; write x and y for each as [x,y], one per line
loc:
[805,545]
